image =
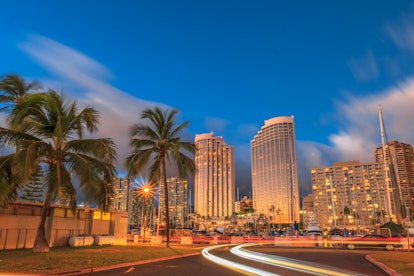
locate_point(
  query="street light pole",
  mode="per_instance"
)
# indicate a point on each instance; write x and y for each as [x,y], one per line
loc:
[145,191]
[144,225]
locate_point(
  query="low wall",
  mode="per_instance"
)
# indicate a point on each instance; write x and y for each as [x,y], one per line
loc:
[19,222]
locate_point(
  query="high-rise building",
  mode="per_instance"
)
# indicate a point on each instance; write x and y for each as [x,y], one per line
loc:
[137,214]
[274,171]
[177,202]
[399,159]
[214,181]
[308,216]
[350,194]
[121,194]
[245,205]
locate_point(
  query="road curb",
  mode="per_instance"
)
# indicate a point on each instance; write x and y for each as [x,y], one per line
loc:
[385,268]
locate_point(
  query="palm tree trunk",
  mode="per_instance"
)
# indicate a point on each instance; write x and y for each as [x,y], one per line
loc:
[41,245]
[167,213]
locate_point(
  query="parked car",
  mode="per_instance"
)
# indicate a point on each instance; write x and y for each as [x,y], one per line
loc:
[374,241]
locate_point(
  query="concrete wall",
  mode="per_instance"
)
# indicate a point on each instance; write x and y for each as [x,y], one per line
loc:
[119,227]
[19,222]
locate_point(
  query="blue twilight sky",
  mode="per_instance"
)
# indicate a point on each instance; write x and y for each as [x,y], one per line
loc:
[228,66]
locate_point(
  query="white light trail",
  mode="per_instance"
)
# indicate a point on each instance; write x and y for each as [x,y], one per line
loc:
[292,264]
[233,265]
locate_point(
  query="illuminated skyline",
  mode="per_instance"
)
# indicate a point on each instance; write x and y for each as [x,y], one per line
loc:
[227,66]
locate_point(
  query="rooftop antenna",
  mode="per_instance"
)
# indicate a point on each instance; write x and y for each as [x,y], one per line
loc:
[392,186]
[189,201]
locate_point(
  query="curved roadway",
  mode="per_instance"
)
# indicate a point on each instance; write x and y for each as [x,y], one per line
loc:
[256,260]
[271,260]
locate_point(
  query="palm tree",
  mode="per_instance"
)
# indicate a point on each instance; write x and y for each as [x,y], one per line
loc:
[17,97]
[159,140]
[52,136]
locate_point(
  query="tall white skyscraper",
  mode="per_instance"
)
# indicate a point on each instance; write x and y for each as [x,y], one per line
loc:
[274,171]
[214,181]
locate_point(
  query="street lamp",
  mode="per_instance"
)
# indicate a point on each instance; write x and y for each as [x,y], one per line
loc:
[146,191]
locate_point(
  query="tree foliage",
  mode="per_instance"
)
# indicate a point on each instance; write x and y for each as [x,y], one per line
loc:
[47,130]
[156,143]
[33,191]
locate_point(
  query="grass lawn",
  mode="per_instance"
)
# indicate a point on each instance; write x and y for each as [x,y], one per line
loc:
[66,259]
[402,262]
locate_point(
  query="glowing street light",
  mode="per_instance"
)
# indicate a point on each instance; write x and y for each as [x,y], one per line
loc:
[146,191]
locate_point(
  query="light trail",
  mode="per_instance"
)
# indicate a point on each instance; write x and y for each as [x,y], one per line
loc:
[292,264]
[233,265]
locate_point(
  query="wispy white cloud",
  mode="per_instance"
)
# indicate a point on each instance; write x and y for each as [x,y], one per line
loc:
[359,135]
[362,118]
[360,132]
[85,80]
[364,68]
[402,33]
[359,126]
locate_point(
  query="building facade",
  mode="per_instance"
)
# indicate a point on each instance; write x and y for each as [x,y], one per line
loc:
[120,199]
[399,157]
[214,179]
[244,205]
[350,194]
[308,211]
[141,209]
[274,171]
[177,202]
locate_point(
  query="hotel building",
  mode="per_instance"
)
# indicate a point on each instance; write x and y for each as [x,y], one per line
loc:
[350,194]
[308,211]
[177,202]
[120,194]
[400,158]
[214,180]
[274,171]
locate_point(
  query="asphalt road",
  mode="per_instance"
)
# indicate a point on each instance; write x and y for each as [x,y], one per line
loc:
[194,266]
[340,259]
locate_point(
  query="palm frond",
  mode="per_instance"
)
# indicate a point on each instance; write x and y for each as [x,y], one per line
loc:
[142,143]
[155,171]
[12,138]
[99,148]
[93,175]
[143,131]
[10,180]
[185,164]
[188,146]
[89,118]
[178,129]
[137,161]
[29,154]
[30,106]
